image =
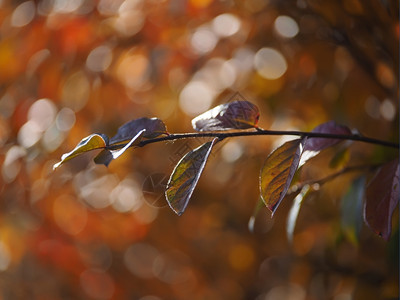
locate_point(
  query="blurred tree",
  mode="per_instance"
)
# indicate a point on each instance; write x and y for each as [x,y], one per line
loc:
[71,68]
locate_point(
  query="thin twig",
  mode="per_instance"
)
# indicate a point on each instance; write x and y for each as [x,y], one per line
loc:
[223,135]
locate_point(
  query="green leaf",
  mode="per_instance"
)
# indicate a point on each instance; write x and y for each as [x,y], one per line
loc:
[232,115]
[154,127]
[278,171]
[106,156]
[185,176]
[91,142]
[294,211]
[382,197]
[351,210]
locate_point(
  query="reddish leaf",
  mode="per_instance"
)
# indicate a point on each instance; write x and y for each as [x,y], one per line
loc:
[185,176]
[382,198]
[278,171]
[154,127]
[106,156]
[232,115]
[318,144]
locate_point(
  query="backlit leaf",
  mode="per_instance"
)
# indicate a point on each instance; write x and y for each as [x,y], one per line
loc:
[351,210]
[382,198]
[294,211]
[252,220]
[91,142]
[278,171]
[232,115]
[154,127]
[185,176]
[318,144]
[106,156]
[314,145]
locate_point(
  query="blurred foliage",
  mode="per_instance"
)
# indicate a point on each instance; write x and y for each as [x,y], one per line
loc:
[71,68]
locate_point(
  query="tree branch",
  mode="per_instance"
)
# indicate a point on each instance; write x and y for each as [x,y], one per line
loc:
[223,135]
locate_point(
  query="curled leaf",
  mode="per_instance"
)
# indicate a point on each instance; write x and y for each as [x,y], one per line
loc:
[232,115]
[153,126]
[185,176]
[382,197]
[91,142]
[278,171]
[294,211]
[106,156]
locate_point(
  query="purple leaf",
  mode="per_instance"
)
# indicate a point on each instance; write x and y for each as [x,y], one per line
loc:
[278,171]
[232,115]
[382,198]
[318,144]
[154,127]
[185,176]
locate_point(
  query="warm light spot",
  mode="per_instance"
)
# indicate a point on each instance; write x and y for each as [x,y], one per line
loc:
[69,214]
[288,292]
[29,134]
[52,138]
[303,243]
[385,74]
[196,97]
[76,91]
[132,69]
[372,107]
[23,14]
[139,259]
[130,18]
[65,119]
[97,284]
[217,73]
[286,26]
[232,151]
[11,165]
[241,257]
[226,25]
[99,59]
[270,63]
[64,7]
[203,40]
[126,196]
[388,110]
[200,3]
[42,113]
[95,191]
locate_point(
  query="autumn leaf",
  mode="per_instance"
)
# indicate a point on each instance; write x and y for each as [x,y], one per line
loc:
[314,145]
[294,211]
[106,156]
[382,197]
[153,126]
[232,115]
[91,142]
[185,176]
[278,171]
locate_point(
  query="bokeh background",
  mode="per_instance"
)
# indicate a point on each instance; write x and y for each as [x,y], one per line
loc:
[72,68]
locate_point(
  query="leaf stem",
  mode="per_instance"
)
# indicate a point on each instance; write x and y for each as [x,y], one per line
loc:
[223,135]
